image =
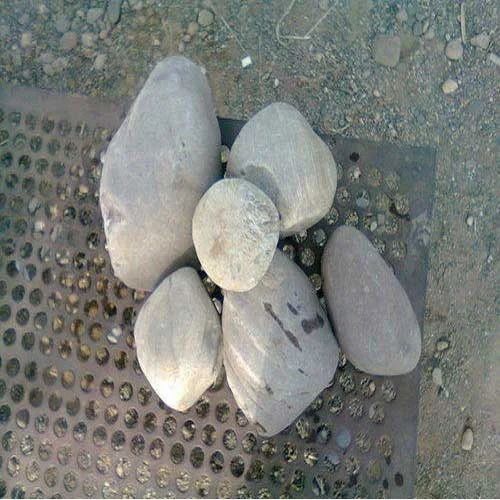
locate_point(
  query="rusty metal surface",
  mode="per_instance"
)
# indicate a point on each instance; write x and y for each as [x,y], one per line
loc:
[77,417]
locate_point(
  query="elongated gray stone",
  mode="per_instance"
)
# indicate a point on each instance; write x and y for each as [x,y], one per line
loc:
[278,151]
[279,349]
[157,167]
[235,233]
[179,340]
[374,321]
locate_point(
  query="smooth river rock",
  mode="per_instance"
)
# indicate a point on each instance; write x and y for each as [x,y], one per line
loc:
[279,348]
[179,340]
[373,318]
[163,158]
[278,151]
[235,233]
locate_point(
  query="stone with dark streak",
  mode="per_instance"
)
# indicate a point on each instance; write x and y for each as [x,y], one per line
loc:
[279,348]
[373,318]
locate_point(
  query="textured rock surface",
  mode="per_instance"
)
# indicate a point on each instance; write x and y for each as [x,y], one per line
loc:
[235,233]
[278,151]
[279,349]
[160,162]
[178,339]
[374,321]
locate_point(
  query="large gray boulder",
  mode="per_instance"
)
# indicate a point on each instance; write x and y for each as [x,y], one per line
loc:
[235,233]
[278,151]
[179,340]
[165,155]
[279,349]
[374,321]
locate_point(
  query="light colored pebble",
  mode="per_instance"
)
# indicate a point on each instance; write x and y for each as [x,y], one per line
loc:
[88,40]
[46,58]
[387,50]
[482,41]
[437,377]
[494,59]
[26,40]
[192,28]
[467,439]
[454,50]
[246,61]
[470,221]
[93,15]
[205,18]
[100,62]
[62,23]
[402,15]
[449,86]
[69,41]
[442,345]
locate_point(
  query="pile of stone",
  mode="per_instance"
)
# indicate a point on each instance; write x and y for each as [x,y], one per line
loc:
[165,205]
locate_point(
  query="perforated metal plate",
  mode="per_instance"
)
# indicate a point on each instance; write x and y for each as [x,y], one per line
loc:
[77,417]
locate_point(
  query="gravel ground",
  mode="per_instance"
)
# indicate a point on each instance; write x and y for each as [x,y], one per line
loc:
[430,93]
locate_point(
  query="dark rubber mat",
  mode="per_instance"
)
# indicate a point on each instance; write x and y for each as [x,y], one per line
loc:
[78,418]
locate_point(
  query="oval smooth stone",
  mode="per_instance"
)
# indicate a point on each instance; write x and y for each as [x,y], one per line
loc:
[179,339]
[278,151]
[373,318]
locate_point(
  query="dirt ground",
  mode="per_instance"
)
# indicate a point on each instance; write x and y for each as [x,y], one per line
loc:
[331,76]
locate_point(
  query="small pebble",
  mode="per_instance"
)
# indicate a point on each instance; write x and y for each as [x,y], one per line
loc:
[470,221]
[205,18]
[418,29]
[100,62]
[4,31]
[186,38]
[192,28]
[46,58]
[69,41]
[449,86]
[386,50]
[276,83]
[402,15]
[430,33]
[62,24]
[343,438]
[442,345]
[246,61]
[88,40]
[93,15]
[26,40]
[454,50]
[113,12]
[467,439]
[481,41]
[437,377]
[224,153]
[494,59]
